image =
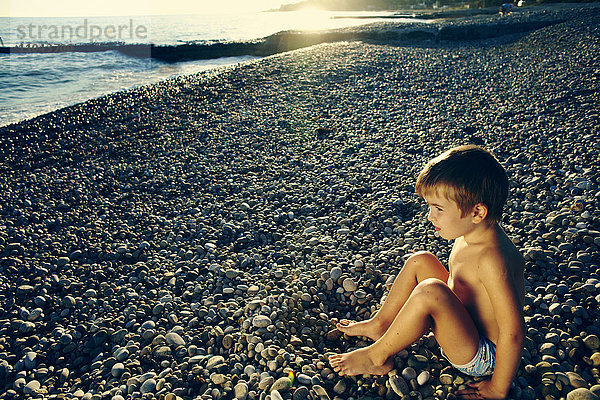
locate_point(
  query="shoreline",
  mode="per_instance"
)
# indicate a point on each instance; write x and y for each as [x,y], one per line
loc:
[195,238]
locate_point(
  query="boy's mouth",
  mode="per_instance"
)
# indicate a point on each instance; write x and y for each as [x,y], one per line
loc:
[437,229]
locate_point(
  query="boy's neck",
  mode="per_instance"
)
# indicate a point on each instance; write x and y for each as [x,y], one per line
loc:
[482,233]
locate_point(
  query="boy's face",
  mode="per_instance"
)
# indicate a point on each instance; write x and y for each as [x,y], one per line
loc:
[446,217]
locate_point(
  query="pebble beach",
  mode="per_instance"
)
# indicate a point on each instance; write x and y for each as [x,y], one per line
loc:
[198,238]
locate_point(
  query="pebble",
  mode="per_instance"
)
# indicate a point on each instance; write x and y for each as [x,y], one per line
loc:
[282,385]
[261,321]
[241,391]
[173,339]
[581,394]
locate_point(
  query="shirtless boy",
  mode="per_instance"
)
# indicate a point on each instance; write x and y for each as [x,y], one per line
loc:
[475,309]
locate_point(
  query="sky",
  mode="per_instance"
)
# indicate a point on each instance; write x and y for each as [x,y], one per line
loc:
[86,8]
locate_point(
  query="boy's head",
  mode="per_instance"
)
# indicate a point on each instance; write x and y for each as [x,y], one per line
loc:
[467,175]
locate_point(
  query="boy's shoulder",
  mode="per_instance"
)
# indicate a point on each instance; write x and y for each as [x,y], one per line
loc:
[500,257]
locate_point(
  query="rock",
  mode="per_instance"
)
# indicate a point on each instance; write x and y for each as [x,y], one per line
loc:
[423,378]
[334,335]
[218,379]
[301,393]
[149,386]
[30,360]
[321,392]
[581,394]
[275,395]
[261,321]
[335,273]
[576,380]
[349,285]
[446,379]
[591,342]
[241,391]
[31,387]
[117,369]
[409,373]
[340,387]
[173,339]
[283,384]
[214,362]
[399,385]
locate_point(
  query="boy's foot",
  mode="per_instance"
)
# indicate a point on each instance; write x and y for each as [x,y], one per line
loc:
[359,362]
[366,328]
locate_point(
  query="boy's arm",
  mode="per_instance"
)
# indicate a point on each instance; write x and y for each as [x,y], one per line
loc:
[509,316]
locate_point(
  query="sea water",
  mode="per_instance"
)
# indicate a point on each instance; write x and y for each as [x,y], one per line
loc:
[36,83]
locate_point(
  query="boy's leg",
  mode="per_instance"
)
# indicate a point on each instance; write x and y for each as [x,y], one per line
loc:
[431,305]
[417,268]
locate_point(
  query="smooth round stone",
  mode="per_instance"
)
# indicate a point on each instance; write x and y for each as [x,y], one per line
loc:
[19,383]
[30,360]
[595,359]
[359,264]
[228,341]
[581,394]
[335,273]
[249,369]
[148,325]
[423,378]
[218,379]
[117,369]
[162,351]
[148,386]
[313,241]
[266,382]
[349,285]
[417,361]
[340,387]
[261,321]
[228,291]
[399,385]
[62,261]
[214,361]
[121,354]
[232,273]
[31,387]
[446,379]
[591,342]
[275,395]
[304,379]
[300,393]
[117,397]
[174,339]
[241,391]
[409,373]
[576,380]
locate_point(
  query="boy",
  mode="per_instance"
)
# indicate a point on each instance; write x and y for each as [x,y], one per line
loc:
[475,309]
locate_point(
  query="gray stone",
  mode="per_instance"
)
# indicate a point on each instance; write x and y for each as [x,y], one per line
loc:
[283,384]
[261,321]
[581,394]
[241,391]
[148,386]
[174,339]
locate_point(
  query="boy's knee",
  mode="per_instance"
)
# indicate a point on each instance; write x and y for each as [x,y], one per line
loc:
[432,291]
[422,257]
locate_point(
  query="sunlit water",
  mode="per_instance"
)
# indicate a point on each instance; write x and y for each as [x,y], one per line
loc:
[33,84]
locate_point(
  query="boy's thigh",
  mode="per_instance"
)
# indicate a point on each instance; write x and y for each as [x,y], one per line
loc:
[453,327]
[424,265]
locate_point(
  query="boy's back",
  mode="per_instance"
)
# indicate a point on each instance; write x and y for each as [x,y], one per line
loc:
[471,263]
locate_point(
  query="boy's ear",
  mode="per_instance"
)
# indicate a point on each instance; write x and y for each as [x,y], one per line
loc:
[479,213]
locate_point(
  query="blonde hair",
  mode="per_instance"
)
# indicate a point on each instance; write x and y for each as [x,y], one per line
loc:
[468,175]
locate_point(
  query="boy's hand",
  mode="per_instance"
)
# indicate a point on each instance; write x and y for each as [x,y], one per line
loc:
[480,390]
